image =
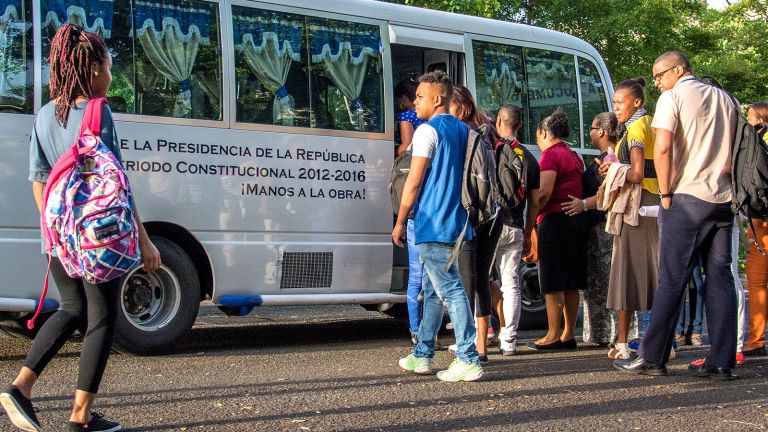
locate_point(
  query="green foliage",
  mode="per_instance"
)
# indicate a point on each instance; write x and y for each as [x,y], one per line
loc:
[738,59]
[483,8]
[728,45]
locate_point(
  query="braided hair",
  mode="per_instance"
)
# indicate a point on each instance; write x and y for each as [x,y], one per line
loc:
[635,87]
[75,56]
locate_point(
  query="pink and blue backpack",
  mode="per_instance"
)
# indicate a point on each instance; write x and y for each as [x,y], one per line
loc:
[87,218]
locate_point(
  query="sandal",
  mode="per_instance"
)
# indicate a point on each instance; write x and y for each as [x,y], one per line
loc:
[619,352]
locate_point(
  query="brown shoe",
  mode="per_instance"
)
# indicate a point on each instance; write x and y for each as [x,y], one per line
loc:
[680,339]
[696,340]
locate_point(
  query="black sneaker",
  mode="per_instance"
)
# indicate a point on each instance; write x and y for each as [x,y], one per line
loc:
[97,424]
[19,410]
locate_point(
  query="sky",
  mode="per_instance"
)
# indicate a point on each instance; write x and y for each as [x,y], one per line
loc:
[717,3]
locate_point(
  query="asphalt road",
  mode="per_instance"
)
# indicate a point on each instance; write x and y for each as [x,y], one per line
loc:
[334,368]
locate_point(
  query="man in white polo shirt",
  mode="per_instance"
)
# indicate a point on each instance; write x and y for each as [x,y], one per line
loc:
[694,125]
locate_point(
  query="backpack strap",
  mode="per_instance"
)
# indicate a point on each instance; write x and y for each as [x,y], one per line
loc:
[459,241]
[754,234]
[31,321]
[91,124]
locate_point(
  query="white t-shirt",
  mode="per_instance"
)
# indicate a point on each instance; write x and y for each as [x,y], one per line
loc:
[424,141]
[702,119]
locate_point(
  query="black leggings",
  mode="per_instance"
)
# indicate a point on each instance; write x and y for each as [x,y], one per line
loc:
[475,262]
[79,300]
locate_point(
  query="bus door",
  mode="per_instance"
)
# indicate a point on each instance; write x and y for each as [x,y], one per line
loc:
[415,52]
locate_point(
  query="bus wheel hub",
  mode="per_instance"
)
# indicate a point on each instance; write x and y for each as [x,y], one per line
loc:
[138,295]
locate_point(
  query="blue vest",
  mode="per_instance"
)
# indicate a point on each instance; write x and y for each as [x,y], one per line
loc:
[439,216]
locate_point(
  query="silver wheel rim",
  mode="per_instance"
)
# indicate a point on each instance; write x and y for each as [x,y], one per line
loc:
[151,301]
[531,300]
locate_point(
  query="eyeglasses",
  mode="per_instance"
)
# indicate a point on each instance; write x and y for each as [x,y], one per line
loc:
[660,75]
[594,128]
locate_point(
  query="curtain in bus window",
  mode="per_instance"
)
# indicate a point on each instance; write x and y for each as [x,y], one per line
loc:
[209,83]
[93,15]
[345,53]
[171,36]
[551,84]
[505,87]
[12,64]
[146,80]
[500,79]
[270,43]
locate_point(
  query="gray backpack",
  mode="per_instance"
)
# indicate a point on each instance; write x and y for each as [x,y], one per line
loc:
[479,189]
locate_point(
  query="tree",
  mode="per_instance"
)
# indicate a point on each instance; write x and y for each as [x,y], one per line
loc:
[482,8]
[738,60]
[630,35]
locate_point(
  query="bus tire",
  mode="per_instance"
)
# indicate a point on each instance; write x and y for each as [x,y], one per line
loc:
[534,310]
[397,310]
[17,327]
[157,309]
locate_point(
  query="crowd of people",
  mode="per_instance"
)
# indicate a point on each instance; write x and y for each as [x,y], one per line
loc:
[628,231]
[647,221]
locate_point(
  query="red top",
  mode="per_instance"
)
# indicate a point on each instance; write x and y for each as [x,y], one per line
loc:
[569,168]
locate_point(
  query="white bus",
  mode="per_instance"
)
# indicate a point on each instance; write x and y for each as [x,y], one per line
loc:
[258,137]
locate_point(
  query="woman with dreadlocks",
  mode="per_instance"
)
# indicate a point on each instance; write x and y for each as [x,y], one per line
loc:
[80,70]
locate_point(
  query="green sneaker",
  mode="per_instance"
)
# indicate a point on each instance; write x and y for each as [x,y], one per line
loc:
[460,371]
[418,365]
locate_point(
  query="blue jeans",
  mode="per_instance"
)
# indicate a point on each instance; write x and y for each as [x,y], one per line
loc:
[695,306]
[440,287]
[414,280]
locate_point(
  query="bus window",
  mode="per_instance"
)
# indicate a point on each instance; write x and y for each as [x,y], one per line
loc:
[94,16]
[16,87]
[271,71]
[168,65]
[499,79]
[552,83]
[296,70]
[346,75]
[593,100]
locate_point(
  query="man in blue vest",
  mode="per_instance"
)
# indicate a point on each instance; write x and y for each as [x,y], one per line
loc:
[433,191]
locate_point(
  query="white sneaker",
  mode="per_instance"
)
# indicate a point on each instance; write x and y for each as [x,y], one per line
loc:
[417,365]
[460,371]
[508,348]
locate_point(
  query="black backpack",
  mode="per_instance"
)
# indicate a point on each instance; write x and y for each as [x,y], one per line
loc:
[400,169]
[509,164]
[749,172]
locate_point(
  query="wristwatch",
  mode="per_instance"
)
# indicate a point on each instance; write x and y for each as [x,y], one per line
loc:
[665,195]
[584,204]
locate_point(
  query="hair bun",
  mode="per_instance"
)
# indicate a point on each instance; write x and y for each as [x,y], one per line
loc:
[639,80]
[559,115]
